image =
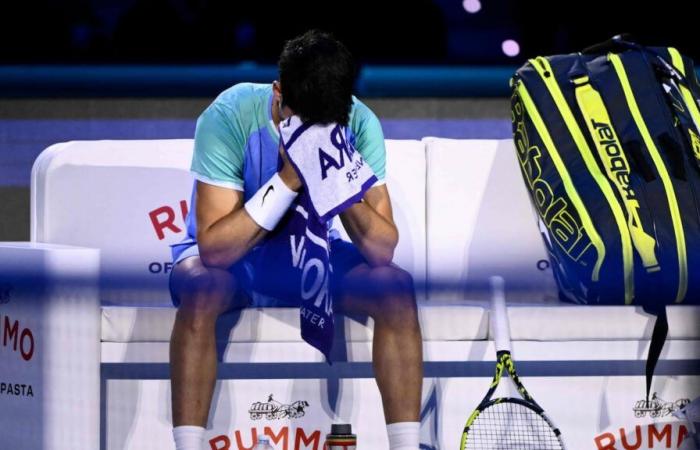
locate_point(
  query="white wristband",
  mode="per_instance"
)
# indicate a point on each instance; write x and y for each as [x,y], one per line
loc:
[268,205]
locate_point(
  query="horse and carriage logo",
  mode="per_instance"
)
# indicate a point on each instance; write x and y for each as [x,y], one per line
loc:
[658,407]
[272,409]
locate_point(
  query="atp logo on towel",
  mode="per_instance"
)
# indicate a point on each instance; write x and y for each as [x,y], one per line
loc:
[344,150]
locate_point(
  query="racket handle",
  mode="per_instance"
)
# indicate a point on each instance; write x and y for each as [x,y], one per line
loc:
[499,314]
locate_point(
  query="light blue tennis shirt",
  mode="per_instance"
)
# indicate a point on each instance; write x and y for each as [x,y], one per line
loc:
[236,144]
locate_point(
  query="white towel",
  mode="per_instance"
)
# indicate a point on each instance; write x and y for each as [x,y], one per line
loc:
[333,172]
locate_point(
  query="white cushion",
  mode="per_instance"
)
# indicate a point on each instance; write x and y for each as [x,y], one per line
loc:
[100,193]
[439,322]
[155,324]
[480,222]
[569,323]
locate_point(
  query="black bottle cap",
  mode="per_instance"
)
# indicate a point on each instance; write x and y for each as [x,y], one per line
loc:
[341,428]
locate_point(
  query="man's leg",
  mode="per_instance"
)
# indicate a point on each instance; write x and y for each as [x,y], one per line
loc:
[204,294]
[386,294]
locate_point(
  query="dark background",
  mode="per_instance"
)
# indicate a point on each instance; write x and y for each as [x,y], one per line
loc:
[145,69]
[378,32]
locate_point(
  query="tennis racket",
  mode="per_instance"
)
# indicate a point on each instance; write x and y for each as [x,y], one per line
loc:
[507,423]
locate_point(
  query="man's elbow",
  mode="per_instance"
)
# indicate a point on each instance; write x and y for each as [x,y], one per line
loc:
[212,257]
[213,260]
[381,257]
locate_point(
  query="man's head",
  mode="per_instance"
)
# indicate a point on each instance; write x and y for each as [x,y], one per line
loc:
[316,78]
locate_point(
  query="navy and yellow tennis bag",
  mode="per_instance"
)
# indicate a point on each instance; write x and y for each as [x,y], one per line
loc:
[608,141]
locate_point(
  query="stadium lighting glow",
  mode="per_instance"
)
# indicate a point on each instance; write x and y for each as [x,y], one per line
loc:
[510,48]
[472,6]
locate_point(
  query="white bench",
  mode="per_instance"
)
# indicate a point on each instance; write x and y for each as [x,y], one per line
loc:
[463,214]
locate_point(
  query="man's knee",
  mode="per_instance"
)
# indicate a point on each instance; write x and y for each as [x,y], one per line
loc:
[396,296]
[392,281]
[202,291]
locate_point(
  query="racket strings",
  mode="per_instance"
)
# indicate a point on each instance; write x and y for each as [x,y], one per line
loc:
[511,426]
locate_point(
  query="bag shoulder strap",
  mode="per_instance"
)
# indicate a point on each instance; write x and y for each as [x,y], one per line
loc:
[658,338]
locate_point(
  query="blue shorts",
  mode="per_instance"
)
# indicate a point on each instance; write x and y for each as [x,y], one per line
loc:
[344,256]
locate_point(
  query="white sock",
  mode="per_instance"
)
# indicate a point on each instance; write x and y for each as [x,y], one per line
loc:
[403,435]
[188,437]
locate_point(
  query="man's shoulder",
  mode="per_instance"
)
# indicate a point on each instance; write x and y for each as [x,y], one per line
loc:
[244,98]
[359,107]
[360,113]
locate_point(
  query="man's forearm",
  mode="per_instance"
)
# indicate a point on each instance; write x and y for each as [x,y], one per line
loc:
[229,239]
[374,236]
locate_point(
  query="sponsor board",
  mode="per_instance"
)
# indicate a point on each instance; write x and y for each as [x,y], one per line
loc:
[592,412]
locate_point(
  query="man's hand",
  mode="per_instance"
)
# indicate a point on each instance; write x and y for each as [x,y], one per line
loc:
[288,174]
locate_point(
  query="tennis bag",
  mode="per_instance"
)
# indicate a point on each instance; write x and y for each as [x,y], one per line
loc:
[608,141]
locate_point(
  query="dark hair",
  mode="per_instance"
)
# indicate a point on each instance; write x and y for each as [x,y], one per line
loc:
[317,74]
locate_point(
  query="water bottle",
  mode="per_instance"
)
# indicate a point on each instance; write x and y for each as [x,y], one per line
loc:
[263,444]
[340,438]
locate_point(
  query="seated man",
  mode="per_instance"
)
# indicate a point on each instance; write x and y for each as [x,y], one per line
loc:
[236,154]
